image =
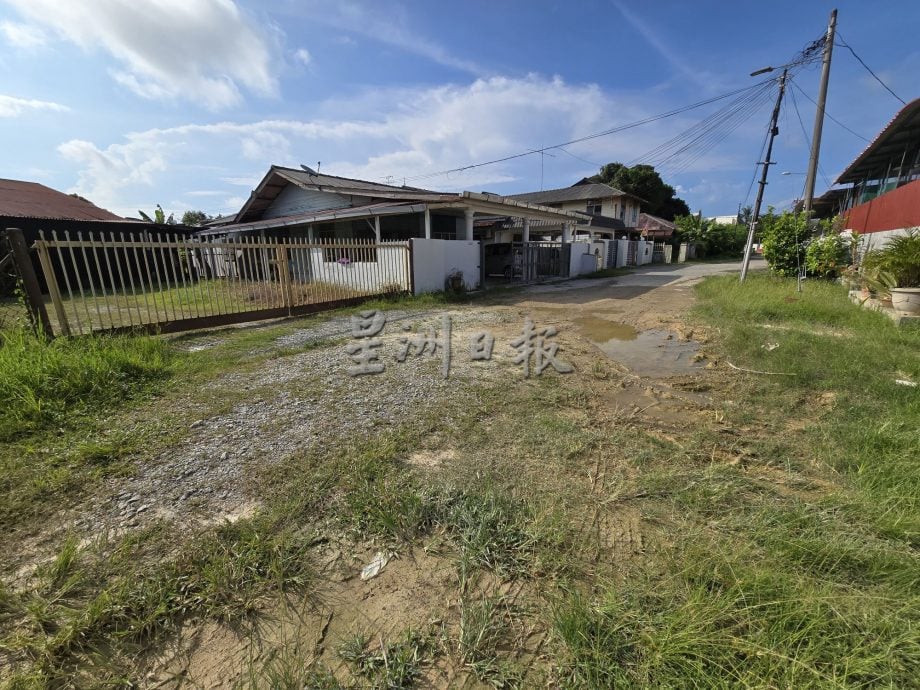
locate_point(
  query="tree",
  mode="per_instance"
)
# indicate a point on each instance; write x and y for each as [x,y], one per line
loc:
[644,182]
[159,217]
[195,217]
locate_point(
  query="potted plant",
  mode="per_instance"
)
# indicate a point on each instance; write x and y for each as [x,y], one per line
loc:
[898,265]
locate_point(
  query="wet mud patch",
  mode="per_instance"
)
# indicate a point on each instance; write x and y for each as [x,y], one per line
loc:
[652,353]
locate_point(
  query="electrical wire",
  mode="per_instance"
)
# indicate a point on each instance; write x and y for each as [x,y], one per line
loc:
[868,69]
[682,150]
[795,105]
[829,116]
[589,137]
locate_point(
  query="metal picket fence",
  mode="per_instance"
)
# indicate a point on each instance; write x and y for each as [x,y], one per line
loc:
[170,283]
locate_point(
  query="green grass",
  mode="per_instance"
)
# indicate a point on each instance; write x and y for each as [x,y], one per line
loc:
[797,568]
[779,541]
[607,273]
[91,609]
[43,383]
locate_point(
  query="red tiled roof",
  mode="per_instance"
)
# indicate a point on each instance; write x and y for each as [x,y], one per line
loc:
[32,200]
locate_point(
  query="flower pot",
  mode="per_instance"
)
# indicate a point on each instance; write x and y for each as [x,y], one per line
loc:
[906,301]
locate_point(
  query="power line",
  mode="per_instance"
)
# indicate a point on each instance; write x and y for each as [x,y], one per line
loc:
[596,135]
[829,116]
[846,45]
[795,105]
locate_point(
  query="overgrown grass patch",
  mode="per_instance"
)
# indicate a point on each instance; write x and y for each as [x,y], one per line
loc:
[719,617]
[843,362]
[45,383]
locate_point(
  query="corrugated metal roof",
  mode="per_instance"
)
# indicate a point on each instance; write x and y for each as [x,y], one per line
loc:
[33,200]
[311,177]
[351,212]
[903,130]
[580,192]
[647,220]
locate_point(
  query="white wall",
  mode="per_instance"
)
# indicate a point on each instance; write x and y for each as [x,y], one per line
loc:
[579,249]
[434,260]
[390,268]
[644,253]
[622,252]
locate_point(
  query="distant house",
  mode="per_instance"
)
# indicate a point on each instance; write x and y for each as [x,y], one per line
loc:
[655,228]
[21,199]
[304,203]
[882,196]
[34,208]
[610,212]
[723,220]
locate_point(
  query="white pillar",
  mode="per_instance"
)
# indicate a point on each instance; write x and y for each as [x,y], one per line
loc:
[427,224]
[377,229]
[468,217]
[566,233]
[310,233]
[525,236]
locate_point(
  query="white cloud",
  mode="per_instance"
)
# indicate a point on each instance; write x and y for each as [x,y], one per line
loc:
[302,55]
[677,62]
[384,22]
[203,51]
[417,131]
[10,106]
[23,35]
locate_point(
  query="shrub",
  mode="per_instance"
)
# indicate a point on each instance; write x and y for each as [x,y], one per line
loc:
[784,239]
[827,256]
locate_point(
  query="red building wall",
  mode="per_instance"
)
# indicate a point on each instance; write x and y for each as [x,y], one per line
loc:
[899,208]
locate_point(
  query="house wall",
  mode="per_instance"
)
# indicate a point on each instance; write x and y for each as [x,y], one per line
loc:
[293,200]
[434,260]
[610,207]
[390,268]
[889,213]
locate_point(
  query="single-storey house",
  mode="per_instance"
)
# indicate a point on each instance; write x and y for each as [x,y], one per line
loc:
[307,204]
[655,228]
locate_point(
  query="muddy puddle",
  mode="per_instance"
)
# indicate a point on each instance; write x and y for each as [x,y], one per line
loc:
[648,353]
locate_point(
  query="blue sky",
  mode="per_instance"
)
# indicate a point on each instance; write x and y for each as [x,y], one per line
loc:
[187,102]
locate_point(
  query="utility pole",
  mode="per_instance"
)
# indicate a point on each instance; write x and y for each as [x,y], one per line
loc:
[819,113]
[774,130]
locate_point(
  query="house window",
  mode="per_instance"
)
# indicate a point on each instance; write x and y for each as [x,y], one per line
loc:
[623,212]
[594,206]
[347,250]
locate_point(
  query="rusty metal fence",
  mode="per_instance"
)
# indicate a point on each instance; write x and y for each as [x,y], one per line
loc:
[172,283]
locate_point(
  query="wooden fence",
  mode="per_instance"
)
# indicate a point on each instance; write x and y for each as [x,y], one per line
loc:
[173,283]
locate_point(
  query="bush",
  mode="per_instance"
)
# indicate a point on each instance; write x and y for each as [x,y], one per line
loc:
[827,256]
[41,382]
[784,239]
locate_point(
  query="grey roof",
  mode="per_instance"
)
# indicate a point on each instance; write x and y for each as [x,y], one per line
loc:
[578,192]
[902,132]
[279,177]
[309,176]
